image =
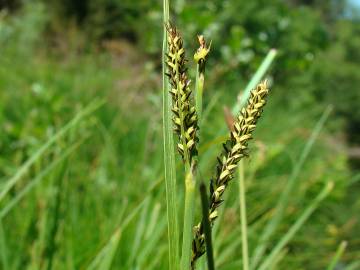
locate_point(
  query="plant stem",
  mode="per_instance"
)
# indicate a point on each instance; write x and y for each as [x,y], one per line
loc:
[338,254]
[188,220]
[200,58]
[190,166]
[207,227]
[255,79]
[243,220]
[169,158]
[199,89]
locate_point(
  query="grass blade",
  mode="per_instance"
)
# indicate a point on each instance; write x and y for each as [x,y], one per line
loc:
[106,255]
[139,234]
[25,167]
[353,266]
[12,203]
[155,262]
[55,215]
[285,195]
[153,220]
[256,78]
[3,248]
[169,157]
[277,259]
[151,245]
[339,252]
[296,226]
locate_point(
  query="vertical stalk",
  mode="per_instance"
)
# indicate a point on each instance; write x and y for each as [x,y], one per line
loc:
[199,89]
[255,79]
[188,219]
[207,227]
[200,59]
[169,158]
[190,167]
[339,252]
[243,219]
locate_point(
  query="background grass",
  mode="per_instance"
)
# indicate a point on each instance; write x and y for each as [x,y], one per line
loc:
[95,197]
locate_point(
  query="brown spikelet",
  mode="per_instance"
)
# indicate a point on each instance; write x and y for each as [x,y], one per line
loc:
[202,52]
[229,118]
[185,117]
[235,148]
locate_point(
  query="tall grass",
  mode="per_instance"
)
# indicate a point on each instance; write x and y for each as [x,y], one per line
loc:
[297,225]
[289,188]
[93,198]
[339,252]
[169,157]
[26,166]
[185,121]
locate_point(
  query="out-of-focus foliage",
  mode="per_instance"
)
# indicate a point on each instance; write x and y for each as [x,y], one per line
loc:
[336,71]
[106,19]
[308,34]
[22,34]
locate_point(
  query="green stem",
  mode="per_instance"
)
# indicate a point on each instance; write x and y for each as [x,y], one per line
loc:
[188,220]
[199,90]
[207,227]
[339,252]
[244,239]
[255,79]
[169,158]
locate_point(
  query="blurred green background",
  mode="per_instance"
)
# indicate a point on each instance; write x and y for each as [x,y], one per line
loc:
[90,194]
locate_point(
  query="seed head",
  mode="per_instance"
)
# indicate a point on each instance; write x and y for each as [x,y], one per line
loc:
[235,148]
[202,52]
[185,117]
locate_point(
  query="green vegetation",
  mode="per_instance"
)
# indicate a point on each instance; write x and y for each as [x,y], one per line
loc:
[82,182]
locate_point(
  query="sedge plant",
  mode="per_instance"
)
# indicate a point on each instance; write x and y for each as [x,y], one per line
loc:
[186,107]
[183,107]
